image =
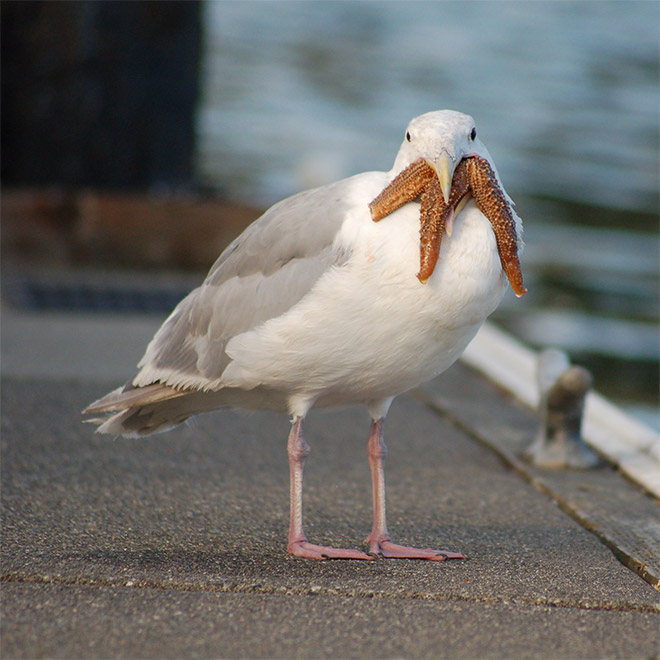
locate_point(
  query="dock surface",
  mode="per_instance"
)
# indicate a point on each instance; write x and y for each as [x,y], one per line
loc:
[175,545]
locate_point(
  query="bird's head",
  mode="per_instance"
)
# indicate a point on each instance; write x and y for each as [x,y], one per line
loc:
[442,138]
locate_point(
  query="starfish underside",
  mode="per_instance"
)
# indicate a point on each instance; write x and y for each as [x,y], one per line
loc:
[473,175]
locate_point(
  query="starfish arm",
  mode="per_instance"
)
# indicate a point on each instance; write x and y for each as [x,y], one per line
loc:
[493,204]
[406,186]
[460,184]
[433,215]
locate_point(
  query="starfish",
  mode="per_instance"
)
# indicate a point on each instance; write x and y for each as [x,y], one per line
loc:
[473,175]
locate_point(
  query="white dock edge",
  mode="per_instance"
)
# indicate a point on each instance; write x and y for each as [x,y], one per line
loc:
[623,440]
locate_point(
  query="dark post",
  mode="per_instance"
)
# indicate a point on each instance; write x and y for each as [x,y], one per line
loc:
[100,93]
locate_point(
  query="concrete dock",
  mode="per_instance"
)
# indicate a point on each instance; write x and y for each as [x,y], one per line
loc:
[174,546]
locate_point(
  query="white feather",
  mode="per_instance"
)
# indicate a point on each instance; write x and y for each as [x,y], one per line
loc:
[317,304]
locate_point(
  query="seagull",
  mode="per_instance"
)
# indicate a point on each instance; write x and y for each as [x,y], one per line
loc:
[351,293]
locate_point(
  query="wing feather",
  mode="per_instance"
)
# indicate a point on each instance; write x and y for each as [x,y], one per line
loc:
[270,267]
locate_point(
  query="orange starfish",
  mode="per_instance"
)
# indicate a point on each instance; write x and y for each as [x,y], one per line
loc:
[473,175]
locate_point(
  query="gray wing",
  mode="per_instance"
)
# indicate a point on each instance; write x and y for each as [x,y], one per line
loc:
[261,275]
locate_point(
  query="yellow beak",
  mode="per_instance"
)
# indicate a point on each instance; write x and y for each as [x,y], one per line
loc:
[445,169]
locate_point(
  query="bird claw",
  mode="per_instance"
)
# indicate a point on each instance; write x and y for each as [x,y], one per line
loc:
[389,550]
[308,550]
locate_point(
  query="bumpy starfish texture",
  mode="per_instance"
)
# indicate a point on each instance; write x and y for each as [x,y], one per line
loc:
[406,186]
[473,175]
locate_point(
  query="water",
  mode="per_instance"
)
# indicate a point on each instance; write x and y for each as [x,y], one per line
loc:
[565,95]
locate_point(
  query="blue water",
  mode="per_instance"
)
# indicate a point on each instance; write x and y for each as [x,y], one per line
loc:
[565,95]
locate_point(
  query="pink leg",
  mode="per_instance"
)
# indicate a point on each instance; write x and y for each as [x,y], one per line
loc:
[298,451]
[379,539]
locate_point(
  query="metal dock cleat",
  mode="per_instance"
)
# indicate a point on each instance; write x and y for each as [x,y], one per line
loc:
[562,389]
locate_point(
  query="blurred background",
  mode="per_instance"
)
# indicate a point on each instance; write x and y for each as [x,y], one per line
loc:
[146,135]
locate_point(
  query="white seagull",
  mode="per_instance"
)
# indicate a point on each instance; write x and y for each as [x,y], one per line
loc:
[319,303]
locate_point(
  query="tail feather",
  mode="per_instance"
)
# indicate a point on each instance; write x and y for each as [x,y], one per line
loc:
[136,422]
[129,397]
[135,410]
[139,411]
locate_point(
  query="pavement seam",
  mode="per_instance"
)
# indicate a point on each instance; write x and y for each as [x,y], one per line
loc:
[647,573]
[317,590]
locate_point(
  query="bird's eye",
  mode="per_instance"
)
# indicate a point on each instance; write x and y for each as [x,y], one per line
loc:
[473,134]
[408,136]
